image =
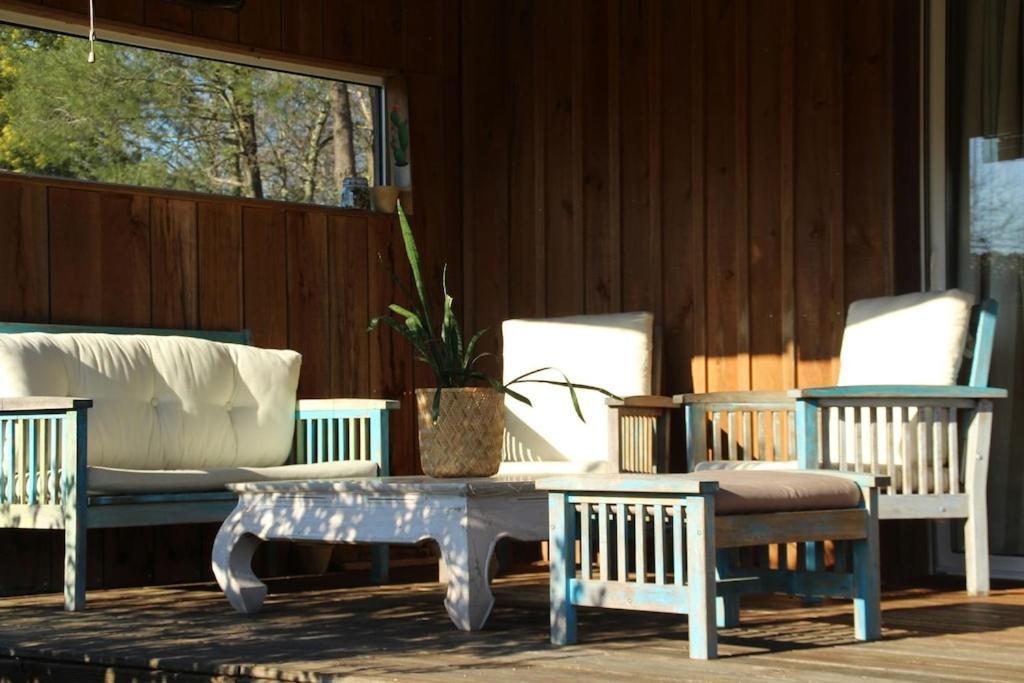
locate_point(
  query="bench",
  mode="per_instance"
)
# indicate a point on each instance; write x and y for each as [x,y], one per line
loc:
[172,417]
[653,543]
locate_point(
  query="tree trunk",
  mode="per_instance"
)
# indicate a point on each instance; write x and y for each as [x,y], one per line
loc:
[341,127]
[249,148]
[312,158]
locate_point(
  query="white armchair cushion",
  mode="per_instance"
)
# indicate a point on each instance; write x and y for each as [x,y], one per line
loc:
[914,339]
[163,402]
[612,351]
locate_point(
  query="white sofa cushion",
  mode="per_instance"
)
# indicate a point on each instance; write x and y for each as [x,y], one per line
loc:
[112,480]
[909,339]
[613,351]
[163,402]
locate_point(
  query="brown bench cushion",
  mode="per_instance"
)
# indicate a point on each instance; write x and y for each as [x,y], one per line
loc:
[752,491]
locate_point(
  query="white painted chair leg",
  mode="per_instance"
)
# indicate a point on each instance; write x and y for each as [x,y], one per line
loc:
[468,599]
[700,556]
[232,567]
[976,527]
[976,554]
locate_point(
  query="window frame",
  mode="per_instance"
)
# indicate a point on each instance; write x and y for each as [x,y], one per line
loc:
[163,41]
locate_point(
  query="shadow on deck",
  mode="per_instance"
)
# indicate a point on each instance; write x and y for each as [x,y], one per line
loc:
[402,632]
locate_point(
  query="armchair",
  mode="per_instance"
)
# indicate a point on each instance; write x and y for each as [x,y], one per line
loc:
[898,412]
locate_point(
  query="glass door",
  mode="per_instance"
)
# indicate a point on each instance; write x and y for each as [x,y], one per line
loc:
[985,251]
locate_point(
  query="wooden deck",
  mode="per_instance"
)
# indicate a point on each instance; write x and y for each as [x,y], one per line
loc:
[401,632]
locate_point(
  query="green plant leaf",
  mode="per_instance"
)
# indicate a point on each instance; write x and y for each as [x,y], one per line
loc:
[523,376]
[566,382]
[394,279]
[471,346]
[412,320]
[478,356]
[435,406]
[419,342]
[402,311]
[413,254]
[516,395]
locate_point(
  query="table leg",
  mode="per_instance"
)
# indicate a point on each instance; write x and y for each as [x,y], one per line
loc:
[466,554]
[232,566]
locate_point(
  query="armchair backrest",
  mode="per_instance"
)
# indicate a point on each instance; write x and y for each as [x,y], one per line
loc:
[983,325]
[912,339]
[613,351]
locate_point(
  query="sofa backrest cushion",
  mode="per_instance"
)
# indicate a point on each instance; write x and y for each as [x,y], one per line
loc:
[163,402]
[612,351]
[915,339]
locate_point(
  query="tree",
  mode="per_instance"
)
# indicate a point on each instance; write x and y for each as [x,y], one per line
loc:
[344,148]
[150,118]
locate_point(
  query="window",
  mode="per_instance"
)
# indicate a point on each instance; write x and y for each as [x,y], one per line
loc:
[146,117]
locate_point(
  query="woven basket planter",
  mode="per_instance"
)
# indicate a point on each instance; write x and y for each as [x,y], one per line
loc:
[466,439]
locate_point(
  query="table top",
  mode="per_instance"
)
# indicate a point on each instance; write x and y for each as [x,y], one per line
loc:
[476,486]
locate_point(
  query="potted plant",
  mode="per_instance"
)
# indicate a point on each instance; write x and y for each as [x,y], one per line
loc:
[400,148]
[461,420]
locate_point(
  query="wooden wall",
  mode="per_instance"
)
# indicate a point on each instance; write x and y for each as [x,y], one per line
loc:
[742,168]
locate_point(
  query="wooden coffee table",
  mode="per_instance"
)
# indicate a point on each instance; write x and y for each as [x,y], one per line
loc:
[465,516]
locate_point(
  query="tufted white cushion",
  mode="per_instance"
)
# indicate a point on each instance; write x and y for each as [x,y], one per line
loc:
[612,351]
[163,402]
[910,339]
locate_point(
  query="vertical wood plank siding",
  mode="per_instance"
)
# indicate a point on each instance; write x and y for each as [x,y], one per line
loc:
[736,167]
[742,168]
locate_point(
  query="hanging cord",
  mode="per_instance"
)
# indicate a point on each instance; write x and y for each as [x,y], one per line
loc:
[92,33]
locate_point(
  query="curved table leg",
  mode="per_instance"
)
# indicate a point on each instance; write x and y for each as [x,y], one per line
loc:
[232,566]
[467,555]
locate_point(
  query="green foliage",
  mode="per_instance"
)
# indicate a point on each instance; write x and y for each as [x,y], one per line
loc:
[452,361]
[156,119]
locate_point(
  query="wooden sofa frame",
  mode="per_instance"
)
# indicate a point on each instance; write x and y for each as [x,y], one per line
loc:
[943,475]
[46,438]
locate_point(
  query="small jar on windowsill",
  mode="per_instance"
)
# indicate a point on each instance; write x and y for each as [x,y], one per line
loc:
[384,198]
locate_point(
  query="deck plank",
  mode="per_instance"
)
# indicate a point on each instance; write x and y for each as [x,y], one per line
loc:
[402,631]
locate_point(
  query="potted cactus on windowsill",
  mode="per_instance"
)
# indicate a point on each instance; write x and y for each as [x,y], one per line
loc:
[400,148]
[461,420]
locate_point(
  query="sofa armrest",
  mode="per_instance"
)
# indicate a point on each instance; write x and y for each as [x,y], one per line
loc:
[335,429]
[338,404]
[44,447]
[647,401]
[898,392]
[638,436]
[726,400]
[32,404]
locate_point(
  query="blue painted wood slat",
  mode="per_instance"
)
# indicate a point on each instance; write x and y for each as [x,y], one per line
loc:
[31,482]
[8,430]
[984,340]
